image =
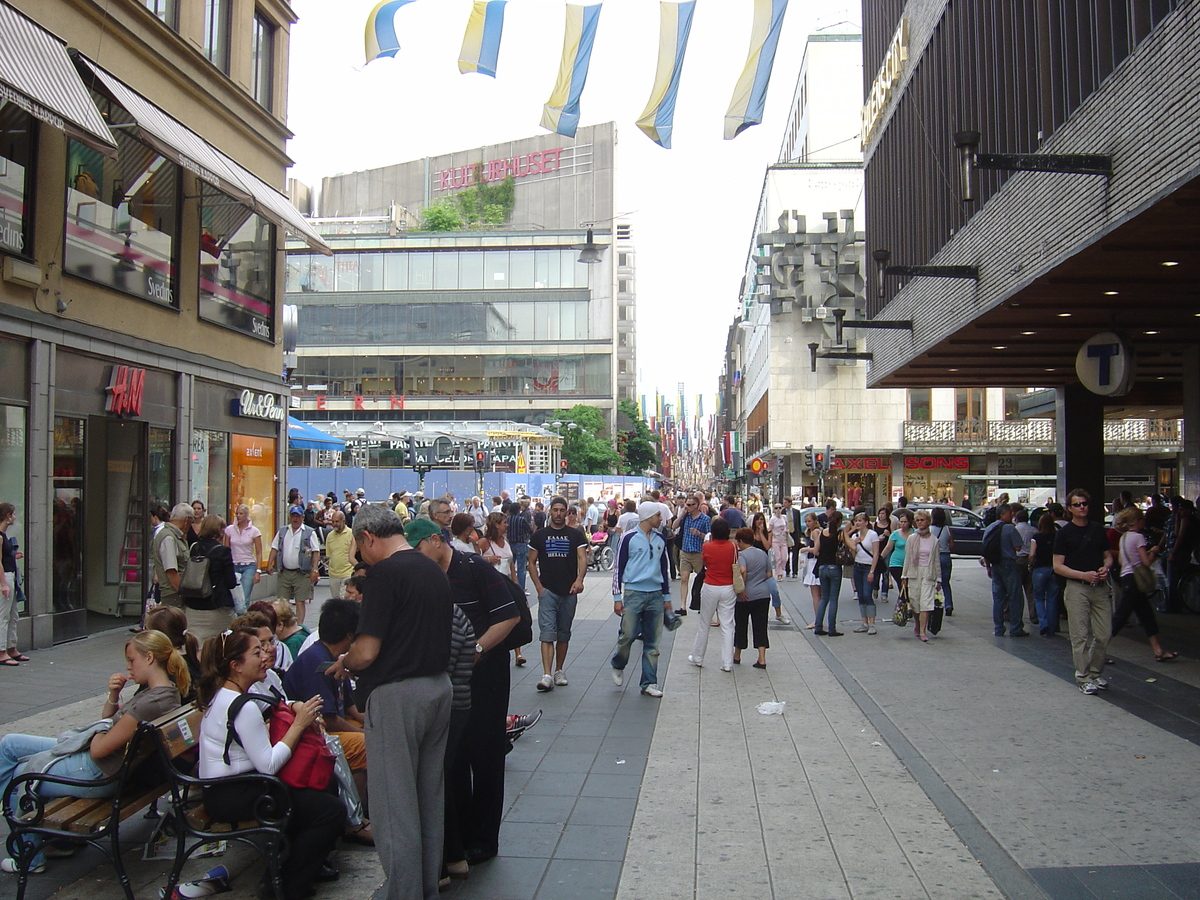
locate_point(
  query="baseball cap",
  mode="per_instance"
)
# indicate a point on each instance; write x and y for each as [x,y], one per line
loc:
[419,529]
[361,492]
[648,510]
[296,511]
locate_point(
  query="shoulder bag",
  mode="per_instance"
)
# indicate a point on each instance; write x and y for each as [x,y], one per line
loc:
[845,553]
[194,582]
[312,762]
[1143,577]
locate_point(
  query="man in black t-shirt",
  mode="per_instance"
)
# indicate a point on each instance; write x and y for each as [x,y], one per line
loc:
[1082,556]
[557,563]
[399,656]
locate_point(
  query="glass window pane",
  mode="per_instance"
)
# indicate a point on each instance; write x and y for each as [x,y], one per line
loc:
[252,481]
[262,60]
[521,322]
[370,271]
[546,269]
[162,466]
[445,272]
[420,271]
[495,271]
[68,513]
[347,271]
[395,276]
[237,265]
[470,270]
[520,268]
[123,217]
[16,157]
[216,33]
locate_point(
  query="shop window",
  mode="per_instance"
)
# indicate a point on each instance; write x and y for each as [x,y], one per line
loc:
[237,265]
[216,32]
[16,184]
[1012,403]
[123,216]
[162,466]
[262,60]
[210,471]
[13,479]
[68,500]
[919,406]
[252,481]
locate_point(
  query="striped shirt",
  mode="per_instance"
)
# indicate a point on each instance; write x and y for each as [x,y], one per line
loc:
[520,529]
[462,659]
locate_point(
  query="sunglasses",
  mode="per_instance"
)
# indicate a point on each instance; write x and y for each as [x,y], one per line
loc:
[1080,503]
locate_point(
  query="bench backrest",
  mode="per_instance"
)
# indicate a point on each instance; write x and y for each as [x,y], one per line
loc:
[179,729]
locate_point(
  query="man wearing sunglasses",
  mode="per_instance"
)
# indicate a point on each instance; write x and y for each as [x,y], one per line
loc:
[1082,556]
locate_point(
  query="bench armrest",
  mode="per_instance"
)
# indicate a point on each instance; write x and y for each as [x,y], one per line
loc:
[274,803]
[30,800]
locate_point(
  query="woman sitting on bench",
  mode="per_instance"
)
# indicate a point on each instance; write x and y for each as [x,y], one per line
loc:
[231,663]
[153,663]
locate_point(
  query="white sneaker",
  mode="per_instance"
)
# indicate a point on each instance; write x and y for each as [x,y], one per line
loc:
[619,677]
[546,683]
[860,629]
[560,680]
[1089,687]
[871,630]
[1101,683]
[783,620]
[652,690]
[726,668]
[9,865]
[695,662]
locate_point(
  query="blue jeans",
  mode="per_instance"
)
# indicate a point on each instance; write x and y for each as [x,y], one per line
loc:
[831,586]
[643,614]
[947,594]
[520,554]
[774,589]
[14,747]
[862,587]
[245,575]
[1045,598]
[1007,597]
[556,613]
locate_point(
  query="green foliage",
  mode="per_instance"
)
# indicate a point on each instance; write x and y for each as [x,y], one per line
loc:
[482,205]
[585,448]
[637,445]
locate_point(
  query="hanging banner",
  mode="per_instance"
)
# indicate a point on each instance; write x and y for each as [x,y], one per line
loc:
[750,94]
[561,113]
[658,121]
[380,37]
[481,42]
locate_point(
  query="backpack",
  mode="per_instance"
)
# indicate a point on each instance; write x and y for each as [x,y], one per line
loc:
[312,762]
[989,515]
[991,544]
[195,583]
[522,632]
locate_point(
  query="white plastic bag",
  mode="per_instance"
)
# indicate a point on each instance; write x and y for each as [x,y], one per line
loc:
[771,707]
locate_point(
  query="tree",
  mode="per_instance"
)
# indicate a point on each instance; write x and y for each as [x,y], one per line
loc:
[637,444]
[485,204]
[585,448]
[442,216]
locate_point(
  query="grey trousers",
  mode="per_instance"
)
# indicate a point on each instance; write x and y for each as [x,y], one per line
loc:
[406,728]
[1089,618]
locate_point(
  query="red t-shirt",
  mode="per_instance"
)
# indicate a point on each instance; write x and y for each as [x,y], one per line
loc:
[718,562]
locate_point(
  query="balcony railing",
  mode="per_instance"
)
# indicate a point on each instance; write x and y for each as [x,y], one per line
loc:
[982,434]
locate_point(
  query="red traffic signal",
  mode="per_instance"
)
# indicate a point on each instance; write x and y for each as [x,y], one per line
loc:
[562,466]
[820,461]
[480,460]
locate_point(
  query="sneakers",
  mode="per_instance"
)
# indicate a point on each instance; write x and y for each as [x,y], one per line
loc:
[10,866]
[1090,687]
[695,662]
[652,690]
[1101,683]
[871,630]
[726,668]
[860,629]
[618,676]
[546,683]
[560,680]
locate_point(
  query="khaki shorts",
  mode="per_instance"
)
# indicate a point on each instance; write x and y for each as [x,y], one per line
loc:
[690,562]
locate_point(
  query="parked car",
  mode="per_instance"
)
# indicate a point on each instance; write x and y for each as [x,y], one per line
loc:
[966,526]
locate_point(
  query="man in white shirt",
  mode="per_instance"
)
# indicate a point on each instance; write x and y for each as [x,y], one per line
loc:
[297,552]
[594,516]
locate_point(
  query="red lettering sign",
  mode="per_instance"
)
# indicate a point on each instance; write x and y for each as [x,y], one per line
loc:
[321,401]
[871,463]
[535,163]
[937,462]
[358,403]
[397,402]
[125,388]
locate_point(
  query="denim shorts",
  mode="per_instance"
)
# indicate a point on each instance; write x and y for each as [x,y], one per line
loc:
[556,612]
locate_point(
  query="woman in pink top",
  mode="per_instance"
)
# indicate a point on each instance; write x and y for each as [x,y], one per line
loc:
[922,572]
[245,543]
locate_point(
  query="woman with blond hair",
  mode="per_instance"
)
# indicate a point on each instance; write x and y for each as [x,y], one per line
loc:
[495,548]
[921,573]
[1132,552]
[287,629]
[154,664]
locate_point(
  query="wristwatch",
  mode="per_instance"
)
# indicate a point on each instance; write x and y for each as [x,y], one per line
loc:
[479,649]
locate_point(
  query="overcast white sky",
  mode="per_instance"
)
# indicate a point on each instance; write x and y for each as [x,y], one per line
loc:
[692,207]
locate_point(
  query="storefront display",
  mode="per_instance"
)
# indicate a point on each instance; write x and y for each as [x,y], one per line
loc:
[252,481]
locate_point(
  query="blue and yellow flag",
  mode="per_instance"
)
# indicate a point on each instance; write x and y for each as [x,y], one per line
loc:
[750,94]
[675,25]
[481,42]
[380,35]
[561,113]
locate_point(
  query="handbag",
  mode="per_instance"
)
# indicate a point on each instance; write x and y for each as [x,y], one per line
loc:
[936,614]
[1143,577]
[697,584]
[312,763]
[902,612]
[845,553]
[739,583]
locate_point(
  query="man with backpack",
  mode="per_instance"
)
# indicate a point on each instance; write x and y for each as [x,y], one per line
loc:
[1001,544]
[475,779]
[298,553]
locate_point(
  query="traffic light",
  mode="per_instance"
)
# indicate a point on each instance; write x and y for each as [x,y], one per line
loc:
[830,456]
[562,467]
[480,460]
[412,453]
[819,462]
[810,459]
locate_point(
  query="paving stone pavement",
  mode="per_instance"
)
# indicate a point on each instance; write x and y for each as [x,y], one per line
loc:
[966,767]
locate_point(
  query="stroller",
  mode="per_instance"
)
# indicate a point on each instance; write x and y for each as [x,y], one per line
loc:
[600,555]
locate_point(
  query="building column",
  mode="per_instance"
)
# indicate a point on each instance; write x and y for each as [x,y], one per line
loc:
[1190,471]
[1080,443]
[185,398]
[39,510]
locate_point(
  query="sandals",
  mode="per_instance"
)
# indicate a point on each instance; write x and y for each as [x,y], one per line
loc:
[520,660]
[360,835]
[9,662]
[19,657]
[1167,656]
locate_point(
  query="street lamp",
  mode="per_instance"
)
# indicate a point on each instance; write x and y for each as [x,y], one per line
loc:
[590,252]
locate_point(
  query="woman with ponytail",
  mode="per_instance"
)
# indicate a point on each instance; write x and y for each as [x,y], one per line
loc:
[172,621]
[153,663]
[231,664]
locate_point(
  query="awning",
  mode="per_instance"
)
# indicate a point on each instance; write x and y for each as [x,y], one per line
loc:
[177,142]
[302,436]
[36,74]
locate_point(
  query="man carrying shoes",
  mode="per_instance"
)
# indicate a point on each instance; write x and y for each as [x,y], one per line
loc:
[557,563]
[641,570]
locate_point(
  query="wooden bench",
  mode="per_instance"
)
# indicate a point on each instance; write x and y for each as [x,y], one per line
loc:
[151,769]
